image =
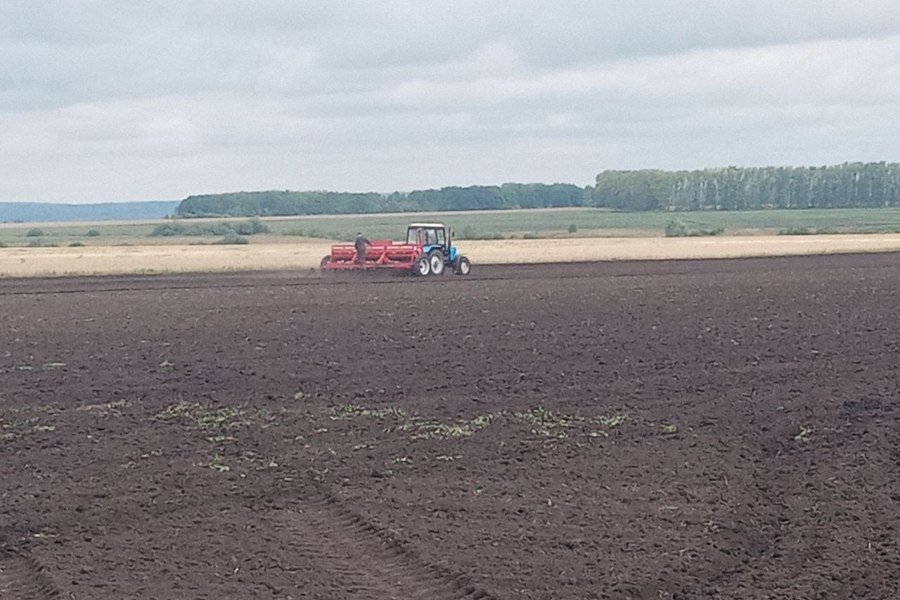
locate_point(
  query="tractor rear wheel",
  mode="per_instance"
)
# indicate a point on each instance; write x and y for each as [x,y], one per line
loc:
[436,259]
[422,266]
[462,266]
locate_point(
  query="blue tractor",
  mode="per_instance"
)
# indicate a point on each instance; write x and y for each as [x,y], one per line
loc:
[437,248]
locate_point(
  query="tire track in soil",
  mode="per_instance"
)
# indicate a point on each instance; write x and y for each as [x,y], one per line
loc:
[21,578]
[363,562]
[77,286]
[125,283]
[115,284]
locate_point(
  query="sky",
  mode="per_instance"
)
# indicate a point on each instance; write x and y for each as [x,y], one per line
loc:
[111,101]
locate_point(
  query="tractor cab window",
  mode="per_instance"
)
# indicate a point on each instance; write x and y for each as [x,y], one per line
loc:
[428,236]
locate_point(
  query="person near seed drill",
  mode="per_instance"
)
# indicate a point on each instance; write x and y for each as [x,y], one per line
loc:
[361,243]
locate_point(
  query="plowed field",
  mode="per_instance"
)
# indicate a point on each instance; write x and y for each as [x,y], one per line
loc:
[695,429]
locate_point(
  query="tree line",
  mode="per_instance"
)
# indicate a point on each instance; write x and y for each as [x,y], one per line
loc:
[850,185]
[284,203]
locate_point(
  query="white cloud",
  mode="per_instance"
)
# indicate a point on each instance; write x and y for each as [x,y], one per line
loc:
[102,100]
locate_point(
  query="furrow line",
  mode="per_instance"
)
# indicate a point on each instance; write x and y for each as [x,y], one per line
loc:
[21,578]
[360,561]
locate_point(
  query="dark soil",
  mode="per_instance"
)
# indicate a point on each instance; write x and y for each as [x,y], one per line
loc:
[697,429]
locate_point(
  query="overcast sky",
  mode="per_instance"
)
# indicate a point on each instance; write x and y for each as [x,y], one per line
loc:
[105,100]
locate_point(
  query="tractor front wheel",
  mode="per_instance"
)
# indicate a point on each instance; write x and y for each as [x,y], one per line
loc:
[462,266]
[436,259]
[422,266]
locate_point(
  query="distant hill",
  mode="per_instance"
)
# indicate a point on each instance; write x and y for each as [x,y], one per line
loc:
[28,212]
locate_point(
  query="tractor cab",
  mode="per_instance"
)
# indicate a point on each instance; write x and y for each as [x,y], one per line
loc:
[435,240]
[431,236]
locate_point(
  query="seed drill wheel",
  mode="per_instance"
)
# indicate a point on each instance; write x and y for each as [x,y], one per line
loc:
[324,261]
[436,259]
[462,266]
[422,266]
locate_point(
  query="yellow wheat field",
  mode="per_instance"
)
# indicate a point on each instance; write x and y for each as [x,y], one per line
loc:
[306,254]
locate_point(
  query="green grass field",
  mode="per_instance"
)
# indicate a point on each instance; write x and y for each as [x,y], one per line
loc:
[539,223]
[586,222]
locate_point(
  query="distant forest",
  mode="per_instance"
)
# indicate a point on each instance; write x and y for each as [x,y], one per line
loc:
[850,185]
[278,203]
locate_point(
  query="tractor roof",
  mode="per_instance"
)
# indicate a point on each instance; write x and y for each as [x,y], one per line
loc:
[426,225]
